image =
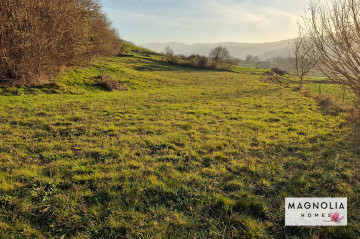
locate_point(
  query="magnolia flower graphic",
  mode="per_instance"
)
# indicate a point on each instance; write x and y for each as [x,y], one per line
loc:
[335,217]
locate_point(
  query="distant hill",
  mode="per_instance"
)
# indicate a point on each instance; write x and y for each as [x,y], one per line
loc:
[239,50]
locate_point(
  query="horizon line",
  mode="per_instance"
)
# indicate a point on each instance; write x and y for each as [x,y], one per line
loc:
[212,42]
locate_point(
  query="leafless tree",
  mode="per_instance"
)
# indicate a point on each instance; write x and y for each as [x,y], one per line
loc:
[303,56]
[334,29]
[169,53]
[219,54]
[249,58]
[37,37]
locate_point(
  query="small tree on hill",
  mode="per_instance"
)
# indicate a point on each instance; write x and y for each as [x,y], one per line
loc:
[249,58]
[219,54]
[169,53]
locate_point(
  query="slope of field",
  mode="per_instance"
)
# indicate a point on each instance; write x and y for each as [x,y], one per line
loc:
[183,153]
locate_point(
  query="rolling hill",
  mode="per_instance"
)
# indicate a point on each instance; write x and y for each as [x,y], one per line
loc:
[239,50]
[182,153]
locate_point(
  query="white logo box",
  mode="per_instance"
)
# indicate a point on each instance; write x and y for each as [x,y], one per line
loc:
[315,211]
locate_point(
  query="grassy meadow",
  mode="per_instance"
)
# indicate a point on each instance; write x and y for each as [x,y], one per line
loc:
[182,153]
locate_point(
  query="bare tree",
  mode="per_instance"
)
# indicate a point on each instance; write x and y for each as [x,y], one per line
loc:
[249,58]
[303,57]
[219,54]
[334,29]
[37,37]
[169,53]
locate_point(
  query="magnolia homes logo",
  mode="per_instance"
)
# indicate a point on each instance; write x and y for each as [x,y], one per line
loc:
[315,212]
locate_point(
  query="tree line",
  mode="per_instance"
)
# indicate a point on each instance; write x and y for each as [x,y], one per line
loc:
[39,37]
[219,59]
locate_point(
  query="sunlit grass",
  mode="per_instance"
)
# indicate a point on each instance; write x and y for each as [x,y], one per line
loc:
[184,153]
[322,85]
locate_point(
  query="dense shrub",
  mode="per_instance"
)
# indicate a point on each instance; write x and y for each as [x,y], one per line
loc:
[197,61]
[38,37]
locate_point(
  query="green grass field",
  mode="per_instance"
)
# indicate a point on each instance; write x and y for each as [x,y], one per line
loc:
[183,153]
[321,85]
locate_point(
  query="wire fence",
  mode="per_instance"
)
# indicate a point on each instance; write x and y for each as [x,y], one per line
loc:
[330,88]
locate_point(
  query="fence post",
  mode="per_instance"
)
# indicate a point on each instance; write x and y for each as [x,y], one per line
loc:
[320,89]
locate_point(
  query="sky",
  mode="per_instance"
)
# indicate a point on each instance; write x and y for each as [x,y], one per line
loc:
[204,21]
